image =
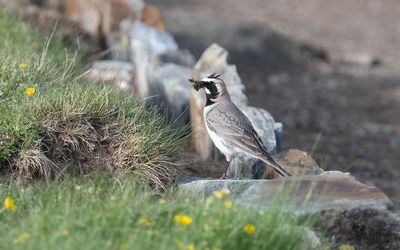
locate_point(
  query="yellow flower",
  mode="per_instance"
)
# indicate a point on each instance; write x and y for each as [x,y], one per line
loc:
[22,238]
[228,204]
[222,193]
[190,247]
[183,219]
[145,222]
[9,204]
[346,247]
[65,232]
[249,229]
[30,91]
[23,65]
[162,201]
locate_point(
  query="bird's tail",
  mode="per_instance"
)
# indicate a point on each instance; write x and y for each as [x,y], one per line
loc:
[275,166]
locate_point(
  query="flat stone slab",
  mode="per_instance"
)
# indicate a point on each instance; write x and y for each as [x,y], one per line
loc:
[303,193]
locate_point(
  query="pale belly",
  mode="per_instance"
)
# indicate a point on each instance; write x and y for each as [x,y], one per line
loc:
[228,150]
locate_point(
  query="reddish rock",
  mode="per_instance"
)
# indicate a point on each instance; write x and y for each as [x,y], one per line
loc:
[296,162]
[100,17]
[151,16]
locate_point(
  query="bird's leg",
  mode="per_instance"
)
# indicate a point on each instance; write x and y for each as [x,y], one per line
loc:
[225,176]
[228,159]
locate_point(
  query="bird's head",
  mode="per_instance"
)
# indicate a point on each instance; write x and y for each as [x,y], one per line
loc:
[213,86]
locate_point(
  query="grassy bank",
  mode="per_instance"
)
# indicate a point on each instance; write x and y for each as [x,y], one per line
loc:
[51,122]
[100,213]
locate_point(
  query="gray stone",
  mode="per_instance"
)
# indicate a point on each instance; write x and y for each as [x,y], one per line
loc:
[118,44]
[264,124]
[365,228]
[142,60]
[278,127]
[120,73]
[180,57]
[158,42]
[345,208]
[304,194]
[170,88]
[146,44]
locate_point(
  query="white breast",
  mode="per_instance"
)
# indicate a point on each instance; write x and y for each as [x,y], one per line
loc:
[215,138]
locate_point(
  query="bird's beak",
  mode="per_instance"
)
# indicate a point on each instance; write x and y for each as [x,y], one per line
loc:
[197,84]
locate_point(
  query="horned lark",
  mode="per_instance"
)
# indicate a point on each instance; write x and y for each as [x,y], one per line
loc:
[229,129]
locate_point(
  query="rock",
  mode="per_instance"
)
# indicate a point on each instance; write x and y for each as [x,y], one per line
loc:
[264,124]
[102,17]
[278,128]
[158,42]
[146,44]
[365,228]
[142,60]
[121,73]
[119,48]
[180,57]
[170,82]
[305,193]
[151,16]
[298,162]
[214,59]
[345,208]
[114,11]
[86,13]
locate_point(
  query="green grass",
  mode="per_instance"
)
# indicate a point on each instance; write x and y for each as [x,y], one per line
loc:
[68,122]
[101,213]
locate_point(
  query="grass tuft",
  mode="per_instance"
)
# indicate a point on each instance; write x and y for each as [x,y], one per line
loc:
[102,213]
[67,124]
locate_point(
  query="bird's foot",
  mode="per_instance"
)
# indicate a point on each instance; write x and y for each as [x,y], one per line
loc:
[224,177]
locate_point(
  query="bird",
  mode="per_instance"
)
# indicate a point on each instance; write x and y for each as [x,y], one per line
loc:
[230,129]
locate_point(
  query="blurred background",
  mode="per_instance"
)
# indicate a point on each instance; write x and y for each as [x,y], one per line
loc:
[329,70]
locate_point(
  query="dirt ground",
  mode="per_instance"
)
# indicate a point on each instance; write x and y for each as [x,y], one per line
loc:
[307,62]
